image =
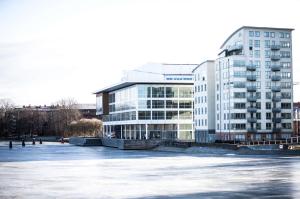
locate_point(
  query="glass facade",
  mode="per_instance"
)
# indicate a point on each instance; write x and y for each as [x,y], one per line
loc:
[154,111]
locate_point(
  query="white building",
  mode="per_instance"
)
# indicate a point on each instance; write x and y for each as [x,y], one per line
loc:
[204,102]
[254,85]
[154,101]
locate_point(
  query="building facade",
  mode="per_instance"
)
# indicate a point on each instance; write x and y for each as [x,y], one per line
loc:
[254,85]
[204,102]
[152,102]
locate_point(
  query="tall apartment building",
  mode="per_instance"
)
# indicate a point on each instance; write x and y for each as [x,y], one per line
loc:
[154,101]
[204,102]
[254,85]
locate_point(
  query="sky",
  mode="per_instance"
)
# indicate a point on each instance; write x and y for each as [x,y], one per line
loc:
[51,50]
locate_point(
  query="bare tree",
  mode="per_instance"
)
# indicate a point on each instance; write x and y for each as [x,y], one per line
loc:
[7,120]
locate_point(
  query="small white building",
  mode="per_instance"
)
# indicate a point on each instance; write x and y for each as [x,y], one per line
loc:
[204,102]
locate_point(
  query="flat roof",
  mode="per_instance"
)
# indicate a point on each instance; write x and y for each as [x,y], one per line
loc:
[203,63]
[127,84]
[253,27]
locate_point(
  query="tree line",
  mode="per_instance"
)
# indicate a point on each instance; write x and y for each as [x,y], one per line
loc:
[61,119]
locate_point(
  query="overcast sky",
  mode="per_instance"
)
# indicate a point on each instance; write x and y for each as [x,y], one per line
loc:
[56,49]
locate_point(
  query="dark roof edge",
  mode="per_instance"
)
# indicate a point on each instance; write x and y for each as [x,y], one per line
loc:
[203,63]
[254,27]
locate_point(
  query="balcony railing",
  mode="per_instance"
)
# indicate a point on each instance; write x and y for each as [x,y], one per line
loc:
[275,67]
[252,109]
[277,120]
[251,130]
[276,129]
[251,98]
[275,57]
[276,88]
[276,98]
[276,110]
[251,88]
[275,47]
[251,77]
[251,119]
[251,67]
[276,78]
[235,48]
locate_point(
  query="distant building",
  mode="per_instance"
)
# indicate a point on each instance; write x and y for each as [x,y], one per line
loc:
[204,102]
[254,85]
[154,101]
[296,121]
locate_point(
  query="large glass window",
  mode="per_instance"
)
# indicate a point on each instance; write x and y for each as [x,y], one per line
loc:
[185,92]
[144,91]
[144,104]
[185,104]
[158,92]
[158,115]
[144,115]
[171,115]
[171,92]
[185,114]
[158,104]
[171,104]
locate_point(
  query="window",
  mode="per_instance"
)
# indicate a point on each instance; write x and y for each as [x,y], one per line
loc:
[267,43]
[268,95]
[268,116]
[257,34]
[251,34]
[171,104]
[286,115]
[144,115]
[171,115]
[257,53]
[268,125]
[158,92]
[287,35]
[239,95]
[185,92]
[185,114]
[267,53]
[281,35]
[239,105]
[185,104]
[286,64]
[158,115]
[267,64]
[144,104]
[272,34]
[238,116]
[286,125]
[250,43]
[257,43]
[268,105]
[286,95]
[266,34]
[285,54]
[173,92]
[285,44]
[158,104]
[286,105]
[258,116]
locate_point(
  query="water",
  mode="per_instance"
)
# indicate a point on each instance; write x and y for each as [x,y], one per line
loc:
[54,170]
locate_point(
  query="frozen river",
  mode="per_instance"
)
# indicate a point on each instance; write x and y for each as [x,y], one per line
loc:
[53,170]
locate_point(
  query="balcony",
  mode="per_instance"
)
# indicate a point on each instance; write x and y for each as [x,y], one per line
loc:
[276,120]
[275,57]
[276,110]
[251,130]
[276,98]
[251,109]
[251,77]
[276,88]
[251,98]
[251,119]
[251,88]
[275,47]
[276,78]
[251,67]
[235,48]
[276,129]
[275,67]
